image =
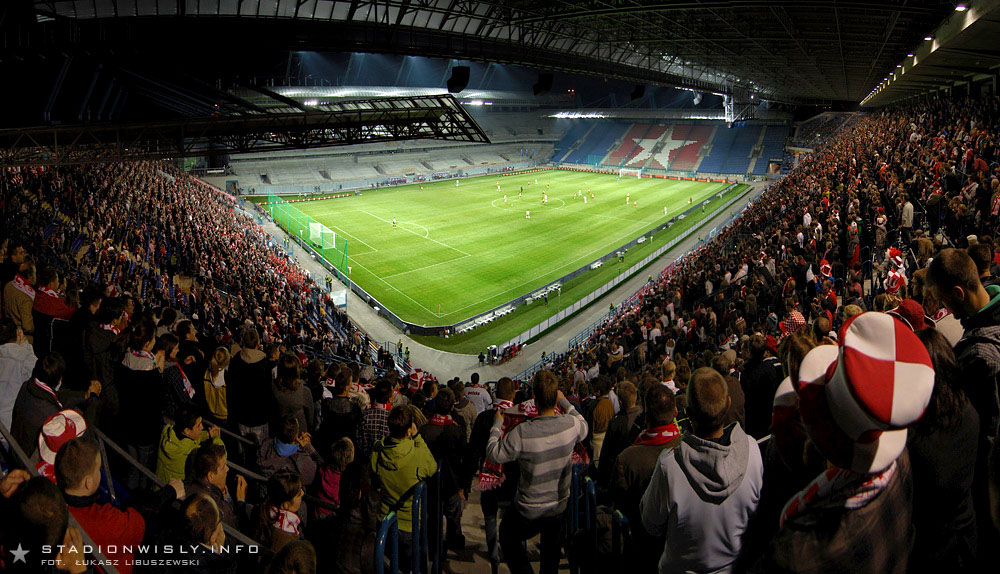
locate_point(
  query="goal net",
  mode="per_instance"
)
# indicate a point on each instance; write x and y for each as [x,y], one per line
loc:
[630,171]
[321,238]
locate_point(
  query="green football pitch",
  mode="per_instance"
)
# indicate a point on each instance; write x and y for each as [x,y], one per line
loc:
[460,250]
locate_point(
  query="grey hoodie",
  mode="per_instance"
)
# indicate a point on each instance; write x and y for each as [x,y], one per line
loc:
[701,496]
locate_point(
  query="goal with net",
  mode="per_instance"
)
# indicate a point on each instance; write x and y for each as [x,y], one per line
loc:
[630,171]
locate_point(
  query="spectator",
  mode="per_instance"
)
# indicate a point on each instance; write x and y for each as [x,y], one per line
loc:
[177,391]
[702,493]
[538,507]
[332,472]
[16,362]
[600,417]
[138,380]
[856,516]
[202,531]
[761,377]
[374,425]
[478,395]
[291,397]
[446,440]
[296,557]
[399,462]
[18,299]
[341,415]
[41,397]
[723,364]
[289,449]
[941,453]
[101,353]
[634,467]
[179,440]
[954,281]
[463,408]
[39,511]
[279,518]
[622,431]
[16,255]
[78,474]
[58,429]
[247,380]
[497,483]
[209,472]
[214,386]
[48,305]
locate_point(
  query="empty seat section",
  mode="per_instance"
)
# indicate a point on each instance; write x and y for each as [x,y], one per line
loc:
[738,160]
[644,147]
[721,144]
[626,150]
[773,147]
[597,143]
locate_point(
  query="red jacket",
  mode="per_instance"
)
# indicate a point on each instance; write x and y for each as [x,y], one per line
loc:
[46,304]
[109,526]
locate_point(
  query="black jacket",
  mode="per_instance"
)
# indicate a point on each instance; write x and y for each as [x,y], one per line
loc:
[448,445]
[33,406]
[248,389]
[760,380]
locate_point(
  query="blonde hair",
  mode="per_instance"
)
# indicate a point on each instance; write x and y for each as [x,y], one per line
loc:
[219,362]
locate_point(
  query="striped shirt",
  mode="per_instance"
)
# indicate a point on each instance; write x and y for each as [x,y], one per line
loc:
[543,448]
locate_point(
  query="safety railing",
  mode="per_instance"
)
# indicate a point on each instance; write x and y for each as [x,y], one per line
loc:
[231,533]
[94,549]
[621,539]
[388,535]
[387,539]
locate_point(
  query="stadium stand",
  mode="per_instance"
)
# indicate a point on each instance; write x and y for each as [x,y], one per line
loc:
[739,156]
[772,147]
[191,304]
[597,143]
[570,140]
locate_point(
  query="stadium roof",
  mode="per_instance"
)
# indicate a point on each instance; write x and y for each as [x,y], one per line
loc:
[786,50]
[963,50]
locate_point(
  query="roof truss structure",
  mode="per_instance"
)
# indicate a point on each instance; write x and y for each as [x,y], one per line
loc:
[790,50]
[339,123]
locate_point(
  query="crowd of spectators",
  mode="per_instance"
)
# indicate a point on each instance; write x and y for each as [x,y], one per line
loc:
[814,389]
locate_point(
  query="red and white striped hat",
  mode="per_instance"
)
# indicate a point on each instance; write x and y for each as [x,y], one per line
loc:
[57,430]
[896,257]
[857,399]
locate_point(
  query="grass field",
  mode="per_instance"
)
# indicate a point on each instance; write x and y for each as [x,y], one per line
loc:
[463,248]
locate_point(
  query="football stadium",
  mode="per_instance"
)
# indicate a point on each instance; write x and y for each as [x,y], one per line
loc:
[450,286]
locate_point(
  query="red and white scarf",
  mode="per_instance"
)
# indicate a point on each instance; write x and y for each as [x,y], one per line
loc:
[284,520]
[838,488]
[22,285]
[112,328]
[47,291]
[49,390]
[187,384]
[442,421]
[492,475]
[657,436]
[142,354]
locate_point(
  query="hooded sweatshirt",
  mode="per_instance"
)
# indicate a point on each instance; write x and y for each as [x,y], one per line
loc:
[978,352]
[701,495]
[16,363]
[399,464]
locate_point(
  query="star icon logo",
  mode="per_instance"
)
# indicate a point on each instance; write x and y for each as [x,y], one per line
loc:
[19,554]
